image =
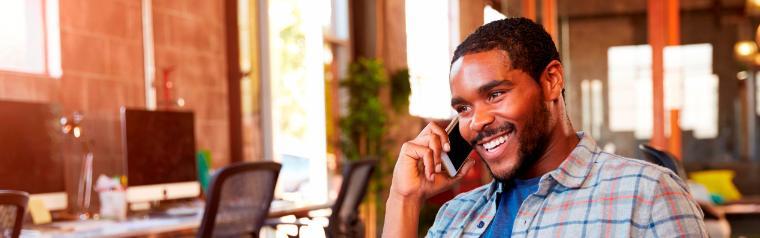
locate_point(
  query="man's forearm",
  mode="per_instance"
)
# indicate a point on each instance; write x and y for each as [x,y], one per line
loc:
[401,217]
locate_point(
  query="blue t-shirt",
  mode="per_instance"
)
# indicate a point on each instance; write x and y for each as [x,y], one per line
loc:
[512,196]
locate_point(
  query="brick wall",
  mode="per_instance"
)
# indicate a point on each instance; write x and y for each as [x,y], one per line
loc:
[102,61]
[189,38]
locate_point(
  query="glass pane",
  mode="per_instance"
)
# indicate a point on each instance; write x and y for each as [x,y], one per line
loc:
[428,55]
[298,100]
[22,47]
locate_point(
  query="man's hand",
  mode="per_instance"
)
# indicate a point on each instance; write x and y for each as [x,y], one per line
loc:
[412,183]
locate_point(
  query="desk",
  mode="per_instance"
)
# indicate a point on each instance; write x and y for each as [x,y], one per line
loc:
[744,216]
[296,209]
[149,226]
[108,228]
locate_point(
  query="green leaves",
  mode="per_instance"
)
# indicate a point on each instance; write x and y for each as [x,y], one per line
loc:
[400,90]
[365,123]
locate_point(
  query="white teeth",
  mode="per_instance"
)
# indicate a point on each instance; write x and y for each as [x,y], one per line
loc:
[495,142]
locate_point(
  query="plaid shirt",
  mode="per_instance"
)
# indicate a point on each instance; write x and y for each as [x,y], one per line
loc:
[591,194]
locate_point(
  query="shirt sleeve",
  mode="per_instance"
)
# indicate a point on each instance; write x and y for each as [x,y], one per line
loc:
[674,212]
[437,230]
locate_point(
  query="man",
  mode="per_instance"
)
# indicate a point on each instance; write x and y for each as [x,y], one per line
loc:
[507,87]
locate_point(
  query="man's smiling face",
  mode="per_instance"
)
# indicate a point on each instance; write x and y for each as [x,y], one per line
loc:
[501,111]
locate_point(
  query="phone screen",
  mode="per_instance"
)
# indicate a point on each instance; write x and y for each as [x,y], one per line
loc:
[460,148]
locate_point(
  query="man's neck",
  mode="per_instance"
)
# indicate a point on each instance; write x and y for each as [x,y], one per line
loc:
[562,141]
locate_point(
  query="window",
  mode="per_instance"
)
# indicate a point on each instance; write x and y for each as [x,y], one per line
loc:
[297,86]
[30,37]
[591,98]
[630,89]
[428,51]
[689,78]
[690,85]
[490,14]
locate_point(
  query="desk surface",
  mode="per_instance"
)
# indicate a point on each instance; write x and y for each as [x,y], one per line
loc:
[741,209]
[297,209]
[149,226]
[748,205]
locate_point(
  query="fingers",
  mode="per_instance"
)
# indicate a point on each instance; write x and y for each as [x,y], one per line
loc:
[424,153]
[429,146]
[438,141]
[442,135]
[435,145]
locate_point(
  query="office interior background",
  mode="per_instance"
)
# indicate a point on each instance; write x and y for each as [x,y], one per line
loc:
[316,84]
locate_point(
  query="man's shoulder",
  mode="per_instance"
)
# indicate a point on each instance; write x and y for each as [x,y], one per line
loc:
[642,174]
[612,165]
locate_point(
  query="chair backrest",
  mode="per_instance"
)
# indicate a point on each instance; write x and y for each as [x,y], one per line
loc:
[238,200]
[345,210]
[12,209]
[663,158]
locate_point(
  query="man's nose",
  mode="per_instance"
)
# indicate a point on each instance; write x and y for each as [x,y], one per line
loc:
[481,118]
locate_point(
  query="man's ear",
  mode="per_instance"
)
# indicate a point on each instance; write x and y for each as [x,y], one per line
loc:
[553,80]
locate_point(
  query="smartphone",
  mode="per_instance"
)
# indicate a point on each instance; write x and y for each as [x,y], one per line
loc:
[460,149]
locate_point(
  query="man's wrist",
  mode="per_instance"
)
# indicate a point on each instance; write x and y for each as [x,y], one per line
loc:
[408,202]
[408,198]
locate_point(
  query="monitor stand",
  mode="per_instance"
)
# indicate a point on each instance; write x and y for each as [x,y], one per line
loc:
[176,207]
[164,199]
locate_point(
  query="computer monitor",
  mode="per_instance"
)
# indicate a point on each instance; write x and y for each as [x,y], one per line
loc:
[159,149]
[30,152]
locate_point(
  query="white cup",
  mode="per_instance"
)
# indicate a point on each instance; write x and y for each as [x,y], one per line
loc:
[113,204]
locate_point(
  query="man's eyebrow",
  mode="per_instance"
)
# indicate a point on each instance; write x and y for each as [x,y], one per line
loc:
[457,101]
[494,83]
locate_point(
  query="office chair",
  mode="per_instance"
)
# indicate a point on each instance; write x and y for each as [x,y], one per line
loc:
[663,158]
[12,208]
[238,201]
[344,219]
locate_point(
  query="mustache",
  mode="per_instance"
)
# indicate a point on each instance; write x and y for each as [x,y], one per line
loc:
[492,131]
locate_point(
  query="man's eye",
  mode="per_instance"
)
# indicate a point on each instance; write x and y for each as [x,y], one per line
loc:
[494,95]
[461,109]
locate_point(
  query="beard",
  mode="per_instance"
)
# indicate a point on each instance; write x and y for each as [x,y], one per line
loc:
[533,140]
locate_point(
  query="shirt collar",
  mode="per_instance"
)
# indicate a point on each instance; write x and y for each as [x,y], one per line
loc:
[576,167]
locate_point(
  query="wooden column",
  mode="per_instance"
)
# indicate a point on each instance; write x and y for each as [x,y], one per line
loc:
[549,17]
[470,16]
[529,9]
[656,19]
[254,74]
[233,81]
[674,38]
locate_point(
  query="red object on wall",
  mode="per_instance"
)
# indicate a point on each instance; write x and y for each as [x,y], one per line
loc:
[167,88]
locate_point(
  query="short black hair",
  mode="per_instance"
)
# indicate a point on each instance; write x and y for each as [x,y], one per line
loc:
[528,45]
